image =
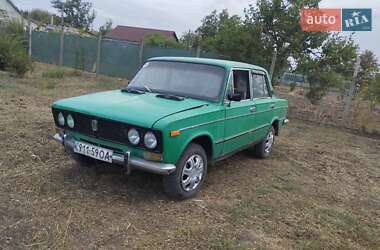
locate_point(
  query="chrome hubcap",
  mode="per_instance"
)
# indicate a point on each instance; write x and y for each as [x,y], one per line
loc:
[269,142]
[192,173]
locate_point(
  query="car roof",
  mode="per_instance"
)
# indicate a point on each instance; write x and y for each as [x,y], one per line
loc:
[217,62]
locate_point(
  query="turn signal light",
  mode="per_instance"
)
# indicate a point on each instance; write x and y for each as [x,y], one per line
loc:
[152,156]
[175,133]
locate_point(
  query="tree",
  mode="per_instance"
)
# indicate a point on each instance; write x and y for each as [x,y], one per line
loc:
[41,16]
[106,28]
[267,26]
[13,56]
[77,13]
[332,66]
[161,41]
[277,23]
[369,78]
[190,40]
[368,67]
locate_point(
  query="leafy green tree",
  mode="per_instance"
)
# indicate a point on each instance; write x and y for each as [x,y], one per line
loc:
[368,67]
[13,56]
[332,66]
[369,78]
[107,27]
[77,13]
[161,41]
[267,26]
[41,16]
[190,40]
[278,24]
[371,91]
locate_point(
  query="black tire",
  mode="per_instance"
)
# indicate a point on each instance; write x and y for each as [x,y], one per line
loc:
[261,150]
[173,183]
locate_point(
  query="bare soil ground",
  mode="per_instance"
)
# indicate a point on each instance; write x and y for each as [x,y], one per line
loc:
[319,190]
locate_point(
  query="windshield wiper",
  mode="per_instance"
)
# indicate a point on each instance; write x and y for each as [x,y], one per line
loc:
[132,90]
[171,97]
[147,88]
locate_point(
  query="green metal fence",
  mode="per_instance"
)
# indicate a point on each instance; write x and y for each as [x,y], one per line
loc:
[115,58]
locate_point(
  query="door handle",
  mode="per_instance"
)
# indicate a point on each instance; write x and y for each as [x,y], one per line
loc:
[273,106]
[253,109]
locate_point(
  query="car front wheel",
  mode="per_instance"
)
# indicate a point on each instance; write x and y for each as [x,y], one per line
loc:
[190,174]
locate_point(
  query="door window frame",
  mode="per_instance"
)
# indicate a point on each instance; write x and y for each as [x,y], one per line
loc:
[230,77]
[259,72]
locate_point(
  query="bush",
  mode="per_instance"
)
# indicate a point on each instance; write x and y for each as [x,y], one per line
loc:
[60,73]
[13,55]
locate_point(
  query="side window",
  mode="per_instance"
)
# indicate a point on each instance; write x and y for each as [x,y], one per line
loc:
[240,84]
[259,85]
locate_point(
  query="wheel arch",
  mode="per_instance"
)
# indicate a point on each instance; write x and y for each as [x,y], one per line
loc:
[203,139]
[276,125]
[207,144]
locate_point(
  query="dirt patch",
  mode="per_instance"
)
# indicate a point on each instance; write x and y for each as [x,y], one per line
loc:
[320,189]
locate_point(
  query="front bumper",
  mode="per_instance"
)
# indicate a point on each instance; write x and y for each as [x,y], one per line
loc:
[131,162]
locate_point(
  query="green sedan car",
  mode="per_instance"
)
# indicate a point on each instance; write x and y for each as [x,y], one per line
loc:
[175,117]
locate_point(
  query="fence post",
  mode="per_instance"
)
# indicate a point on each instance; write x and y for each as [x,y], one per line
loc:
[273,64]
[62,40]
[141,53]
[199,51]
[351,92]
[30,39]
[98,54]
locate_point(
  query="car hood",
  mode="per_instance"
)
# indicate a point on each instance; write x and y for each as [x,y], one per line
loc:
[141,110]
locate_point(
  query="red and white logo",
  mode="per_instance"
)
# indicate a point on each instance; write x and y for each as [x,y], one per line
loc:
[321,19]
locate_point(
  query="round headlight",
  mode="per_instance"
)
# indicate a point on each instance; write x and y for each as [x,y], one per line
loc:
[61,120]
[70,121]
[150,140]
[133,136]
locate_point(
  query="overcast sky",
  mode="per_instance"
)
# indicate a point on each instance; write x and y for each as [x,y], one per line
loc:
[181,16]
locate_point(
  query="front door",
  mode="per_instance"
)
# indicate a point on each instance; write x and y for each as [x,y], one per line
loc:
[238,124]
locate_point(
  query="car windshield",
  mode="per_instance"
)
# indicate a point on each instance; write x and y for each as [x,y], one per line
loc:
[192,80]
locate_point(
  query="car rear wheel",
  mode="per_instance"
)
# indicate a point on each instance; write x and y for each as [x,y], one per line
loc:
[265,147]
[190,174]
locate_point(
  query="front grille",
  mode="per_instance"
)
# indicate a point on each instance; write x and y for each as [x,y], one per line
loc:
[109,130]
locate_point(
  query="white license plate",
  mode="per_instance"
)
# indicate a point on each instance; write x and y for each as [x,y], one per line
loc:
[92,151]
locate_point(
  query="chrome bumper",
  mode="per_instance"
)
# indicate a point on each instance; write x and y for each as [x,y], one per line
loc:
[133,162]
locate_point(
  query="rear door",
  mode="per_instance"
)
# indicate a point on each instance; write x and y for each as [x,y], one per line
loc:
[263,103]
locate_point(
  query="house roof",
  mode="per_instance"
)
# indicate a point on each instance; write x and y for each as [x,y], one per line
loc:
[137,34]
[13,6]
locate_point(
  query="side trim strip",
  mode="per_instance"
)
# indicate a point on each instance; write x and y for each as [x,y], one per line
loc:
[243,133]
[254,113]
[202,124]
[230,118]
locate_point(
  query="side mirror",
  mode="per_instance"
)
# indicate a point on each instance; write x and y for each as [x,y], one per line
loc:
[236,97]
